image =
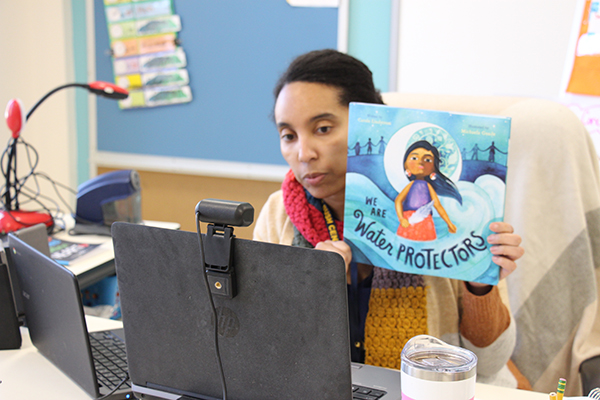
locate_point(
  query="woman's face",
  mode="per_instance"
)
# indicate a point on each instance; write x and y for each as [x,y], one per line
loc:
[313,134]
[420,163]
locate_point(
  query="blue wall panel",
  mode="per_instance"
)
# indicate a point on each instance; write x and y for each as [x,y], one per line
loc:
[236,50]
[369,37]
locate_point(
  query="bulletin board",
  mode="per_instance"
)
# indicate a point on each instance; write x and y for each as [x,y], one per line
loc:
[586,64]
[236,50]
[582,87]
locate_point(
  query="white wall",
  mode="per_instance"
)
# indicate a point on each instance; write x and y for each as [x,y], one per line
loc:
[484,47]
[35,57]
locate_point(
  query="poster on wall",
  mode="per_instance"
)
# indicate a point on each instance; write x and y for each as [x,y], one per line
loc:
[581,83]
[586,63]
[147,58]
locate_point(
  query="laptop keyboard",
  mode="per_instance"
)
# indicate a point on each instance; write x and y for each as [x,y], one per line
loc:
[365,393]
[110,359]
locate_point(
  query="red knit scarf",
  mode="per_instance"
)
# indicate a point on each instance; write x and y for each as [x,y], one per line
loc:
[307,216]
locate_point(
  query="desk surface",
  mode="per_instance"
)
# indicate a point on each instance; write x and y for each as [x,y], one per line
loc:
[26,374]
[98,263]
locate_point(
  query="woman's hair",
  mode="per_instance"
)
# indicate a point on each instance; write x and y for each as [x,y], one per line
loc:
[442,185]
[330,67]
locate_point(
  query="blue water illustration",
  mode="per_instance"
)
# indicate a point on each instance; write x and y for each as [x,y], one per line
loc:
[472,154]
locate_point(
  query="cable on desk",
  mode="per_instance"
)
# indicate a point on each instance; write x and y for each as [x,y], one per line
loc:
[115,388]
[214,310]
[12,198]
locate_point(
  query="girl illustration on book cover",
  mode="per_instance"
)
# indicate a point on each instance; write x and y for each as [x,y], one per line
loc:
[415,202]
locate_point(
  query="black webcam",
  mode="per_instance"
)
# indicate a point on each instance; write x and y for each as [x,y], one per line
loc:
[221,215]
[225,212]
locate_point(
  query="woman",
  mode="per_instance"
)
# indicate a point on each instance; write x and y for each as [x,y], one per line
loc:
[386,307]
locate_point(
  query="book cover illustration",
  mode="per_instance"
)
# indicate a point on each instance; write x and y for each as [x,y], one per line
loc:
[63,251]
[422,188]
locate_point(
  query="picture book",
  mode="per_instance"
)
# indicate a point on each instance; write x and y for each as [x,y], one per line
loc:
[63,251]
[422,188]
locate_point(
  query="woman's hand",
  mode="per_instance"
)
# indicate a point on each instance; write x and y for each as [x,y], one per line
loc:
[506,250]
[339,247]
[505,247]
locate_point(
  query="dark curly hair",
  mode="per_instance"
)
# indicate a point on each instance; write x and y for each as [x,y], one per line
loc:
[333,68]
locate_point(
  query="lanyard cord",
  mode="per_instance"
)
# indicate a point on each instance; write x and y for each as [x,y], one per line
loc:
[355,333]
[331,228]
[355,313]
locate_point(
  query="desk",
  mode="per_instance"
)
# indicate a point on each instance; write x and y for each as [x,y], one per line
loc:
[26,374]
[100,262]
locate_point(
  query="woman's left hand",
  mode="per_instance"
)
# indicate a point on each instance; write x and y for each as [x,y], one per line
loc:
[505,248]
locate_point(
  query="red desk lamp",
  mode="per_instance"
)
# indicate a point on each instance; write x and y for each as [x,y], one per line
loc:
[11,217]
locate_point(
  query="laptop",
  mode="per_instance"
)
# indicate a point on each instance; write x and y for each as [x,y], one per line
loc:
[56,323]
[284,335]
[37,237]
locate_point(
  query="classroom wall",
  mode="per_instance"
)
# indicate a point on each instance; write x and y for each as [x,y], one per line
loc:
[35,57]
[492,47]
[504,47]
[507,47]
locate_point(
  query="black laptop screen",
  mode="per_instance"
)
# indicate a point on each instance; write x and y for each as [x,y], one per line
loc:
[284,335]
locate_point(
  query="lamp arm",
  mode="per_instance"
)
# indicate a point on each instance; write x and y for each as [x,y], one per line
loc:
[51,93]
[14,119]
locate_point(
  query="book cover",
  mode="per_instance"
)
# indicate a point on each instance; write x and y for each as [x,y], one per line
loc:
[422,188]
[64,252]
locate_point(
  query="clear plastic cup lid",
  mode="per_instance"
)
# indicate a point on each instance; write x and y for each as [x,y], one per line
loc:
[427,357]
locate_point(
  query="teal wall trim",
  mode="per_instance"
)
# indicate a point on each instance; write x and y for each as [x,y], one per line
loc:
[78,8]
[369,24]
